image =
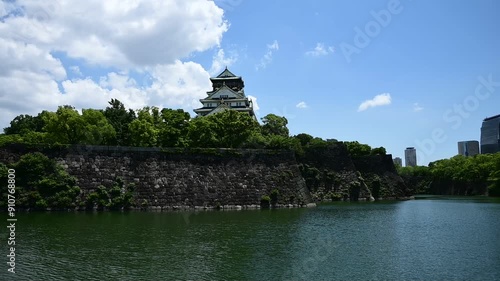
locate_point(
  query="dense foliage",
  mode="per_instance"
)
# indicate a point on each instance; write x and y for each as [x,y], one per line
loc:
[152,127]
[458,175]
[40,184]
[146,127]
[43,184]
[116,197]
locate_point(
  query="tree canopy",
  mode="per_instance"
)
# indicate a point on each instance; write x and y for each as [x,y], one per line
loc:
[458,175]
[275,125]
[152,127]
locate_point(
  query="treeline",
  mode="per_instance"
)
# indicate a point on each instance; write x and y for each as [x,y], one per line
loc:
[152,127]
[45,184]
[459,175]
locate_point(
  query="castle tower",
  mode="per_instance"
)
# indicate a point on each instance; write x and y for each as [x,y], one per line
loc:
[227,93]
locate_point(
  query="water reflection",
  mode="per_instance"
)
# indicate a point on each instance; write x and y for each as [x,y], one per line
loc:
[417,240]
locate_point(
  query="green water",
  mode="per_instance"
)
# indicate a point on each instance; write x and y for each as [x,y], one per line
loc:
[411,240]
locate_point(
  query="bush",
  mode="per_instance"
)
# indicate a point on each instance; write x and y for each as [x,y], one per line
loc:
[117,197]
[336,196]
[274,196]
[265,202]
[41,183]
[217,206]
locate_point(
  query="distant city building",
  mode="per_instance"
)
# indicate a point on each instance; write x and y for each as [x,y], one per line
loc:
[490,135]
[410,157]
[227,93]
[468,148]
[398,162]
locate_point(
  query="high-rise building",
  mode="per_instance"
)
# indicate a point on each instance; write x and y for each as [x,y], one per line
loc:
[398,162]
[410,157]
[468,148]
[490,135]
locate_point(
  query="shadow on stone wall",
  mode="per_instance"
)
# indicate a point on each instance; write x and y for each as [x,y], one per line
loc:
[332,174]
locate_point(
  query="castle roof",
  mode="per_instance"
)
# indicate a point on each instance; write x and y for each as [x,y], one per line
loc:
[225,88]
[224,75]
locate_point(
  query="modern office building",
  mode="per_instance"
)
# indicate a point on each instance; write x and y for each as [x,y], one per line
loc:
[398,162]
[490,135]
[468,148]
[410,157]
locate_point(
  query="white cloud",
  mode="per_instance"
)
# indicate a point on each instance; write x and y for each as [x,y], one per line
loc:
[302,104]
[220,61]
[16,56]
[179,85]
[417,107]
[268,57]
[254,101]
[76,70]
[320,50]
[147,37]
[378,100]
[125,33]
[273,46]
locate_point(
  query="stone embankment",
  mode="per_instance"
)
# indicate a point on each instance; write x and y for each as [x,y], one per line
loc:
[182,178]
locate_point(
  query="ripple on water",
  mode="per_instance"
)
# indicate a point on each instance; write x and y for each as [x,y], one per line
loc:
[411,240]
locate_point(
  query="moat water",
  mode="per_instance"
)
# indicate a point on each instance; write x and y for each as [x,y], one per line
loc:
[425,239]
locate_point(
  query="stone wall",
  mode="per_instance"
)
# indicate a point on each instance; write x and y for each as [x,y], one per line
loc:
[331,173]
[174,177]
[380,175]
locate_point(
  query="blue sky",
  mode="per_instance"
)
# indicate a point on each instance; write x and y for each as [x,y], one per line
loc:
[386,73]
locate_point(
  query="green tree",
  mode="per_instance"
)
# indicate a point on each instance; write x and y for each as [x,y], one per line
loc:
[67,126]
[64,126]
[173,130]
[9,139]
[494,177]
[229,129]
[42,183]
[282,142]
[120,118]
[378,151]
[116,197]
[143,133]
[304,139]
[97,130]
[274,125]
[233,128]
[256,140]
[318,142]
[144,130]
[417,178]
[201,133]
[24,123]
[357,149]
